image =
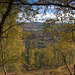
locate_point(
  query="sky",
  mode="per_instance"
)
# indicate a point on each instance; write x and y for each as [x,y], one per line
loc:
[50,14]
[32,1]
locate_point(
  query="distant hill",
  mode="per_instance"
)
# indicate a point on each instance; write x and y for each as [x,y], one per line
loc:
[33,27]
[36,29]
[42,40]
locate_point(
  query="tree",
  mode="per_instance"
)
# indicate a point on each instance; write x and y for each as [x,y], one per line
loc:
[66,3]
[10,4]
[12,47]
[63,35]
[48,56]
[27,37]
[8,38]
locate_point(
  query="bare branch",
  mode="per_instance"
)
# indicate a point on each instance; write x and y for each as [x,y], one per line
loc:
[68,6]
[59,52]
[7,29]
[56,4]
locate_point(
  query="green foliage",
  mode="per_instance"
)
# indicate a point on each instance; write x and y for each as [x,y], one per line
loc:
[40,54]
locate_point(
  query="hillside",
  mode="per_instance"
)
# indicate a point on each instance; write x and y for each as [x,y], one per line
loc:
[33,27]
[36,30]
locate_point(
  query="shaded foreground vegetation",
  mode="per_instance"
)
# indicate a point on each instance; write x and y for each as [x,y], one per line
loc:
[58,71]
[39,54]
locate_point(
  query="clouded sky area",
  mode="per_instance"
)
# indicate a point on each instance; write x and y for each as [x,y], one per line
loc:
[32,1]
[50,14]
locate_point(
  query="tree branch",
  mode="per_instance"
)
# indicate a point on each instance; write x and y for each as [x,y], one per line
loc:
[56,4]
[10,27]
[59,52]
[68,6]
[5,16]
[71,1]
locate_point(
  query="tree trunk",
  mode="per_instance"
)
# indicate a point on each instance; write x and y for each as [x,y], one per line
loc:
[67,66]
[74,69]
[1,29]
[72,55]
[5,72]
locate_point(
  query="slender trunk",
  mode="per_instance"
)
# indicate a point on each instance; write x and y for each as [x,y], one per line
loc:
[67,66]
[72,55]
[1,28]
[64,57]
[74,69]
[5,72]
[69,58]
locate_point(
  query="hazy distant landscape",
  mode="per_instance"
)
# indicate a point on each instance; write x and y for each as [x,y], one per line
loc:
[33,27]
[36,28]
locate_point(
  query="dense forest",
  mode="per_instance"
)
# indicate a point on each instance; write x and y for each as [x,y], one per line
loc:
[37,37]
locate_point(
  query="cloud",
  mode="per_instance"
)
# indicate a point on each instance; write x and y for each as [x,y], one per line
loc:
[65,17]
[43,17]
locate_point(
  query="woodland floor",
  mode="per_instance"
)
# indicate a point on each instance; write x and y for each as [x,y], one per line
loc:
[59,71]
